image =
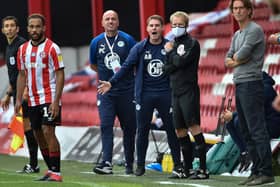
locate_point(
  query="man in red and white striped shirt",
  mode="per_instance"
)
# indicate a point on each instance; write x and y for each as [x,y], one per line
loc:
[41,68]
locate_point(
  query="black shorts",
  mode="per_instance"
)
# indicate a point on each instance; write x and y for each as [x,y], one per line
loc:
[186,109]
[39,116]
[24,106]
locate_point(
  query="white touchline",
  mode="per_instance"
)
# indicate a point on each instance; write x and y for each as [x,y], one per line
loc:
[186,184]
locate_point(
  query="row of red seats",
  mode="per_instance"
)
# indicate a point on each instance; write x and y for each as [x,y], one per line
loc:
[79,98]
[209,100]
[274,69]
[79,106]
[216,30]
[82,82]
[210,110]
[269,27]
[80,116]
[214,63]
[262,13]
[272,49]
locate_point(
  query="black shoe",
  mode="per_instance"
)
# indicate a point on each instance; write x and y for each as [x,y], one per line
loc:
[245,162]
[140,170]
[262,179]
[249,179]
[199,175]
[28,169]
[190,172]
[128,170]
[45,177]
[178,173]
[105,168]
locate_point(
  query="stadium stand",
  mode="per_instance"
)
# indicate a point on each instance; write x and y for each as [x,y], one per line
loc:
[79,97]
[79,105]
[79,100]
[214,79]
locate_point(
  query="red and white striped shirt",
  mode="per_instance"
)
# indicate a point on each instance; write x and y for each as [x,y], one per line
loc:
[40,63]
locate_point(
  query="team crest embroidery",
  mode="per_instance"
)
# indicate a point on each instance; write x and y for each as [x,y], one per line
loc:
[138,107]
[155,68]
[42,54]
[148,55]
[12,60]
[60,59]
[163,52]
[109,58]
[181,50]
[120,44]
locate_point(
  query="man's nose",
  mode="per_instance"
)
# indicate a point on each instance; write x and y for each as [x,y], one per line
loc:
[33,29]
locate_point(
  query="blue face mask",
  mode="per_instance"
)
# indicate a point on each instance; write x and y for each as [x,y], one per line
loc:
[178,31]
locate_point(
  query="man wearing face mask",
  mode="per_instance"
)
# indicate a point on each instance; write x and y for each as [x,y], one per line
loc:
[182,66]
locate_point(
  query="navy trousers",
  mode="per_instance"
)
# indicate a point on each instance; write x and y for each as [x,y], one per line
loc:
[250,109]
[123,107]
[162,102]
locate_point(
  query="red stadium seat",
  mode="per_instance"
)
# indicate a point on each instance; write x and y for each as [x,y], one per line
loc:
[208,123]
[80,117]
[273,49]
[230,90]
[217,30]
[205,88]
[84,82]
[215,58]
[80,108]
[223,44]
[277,88]
[274,69]
[79,98]
[210,79]
[262,13]
[210,100]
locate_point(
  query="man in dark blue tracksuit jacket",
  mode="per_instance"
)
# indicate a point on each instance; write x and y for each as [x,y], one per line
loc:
[107,52]
[152,90]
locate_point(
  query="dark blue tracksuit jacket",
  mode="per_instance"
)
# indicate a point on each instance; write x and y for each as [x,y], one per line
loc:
[152,90]
[119,100]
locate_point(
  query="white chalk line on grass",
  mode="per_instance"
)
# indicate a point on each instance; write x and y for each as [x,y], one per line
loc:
[120,174]
[178,183]
[15,173]
[64,182]
[96,185]
[157,182]
[34,177]
[87,184]
[12,182]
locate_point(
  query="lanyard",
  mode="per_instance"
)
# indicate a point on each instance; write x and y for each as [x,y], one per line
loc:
[108,43]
